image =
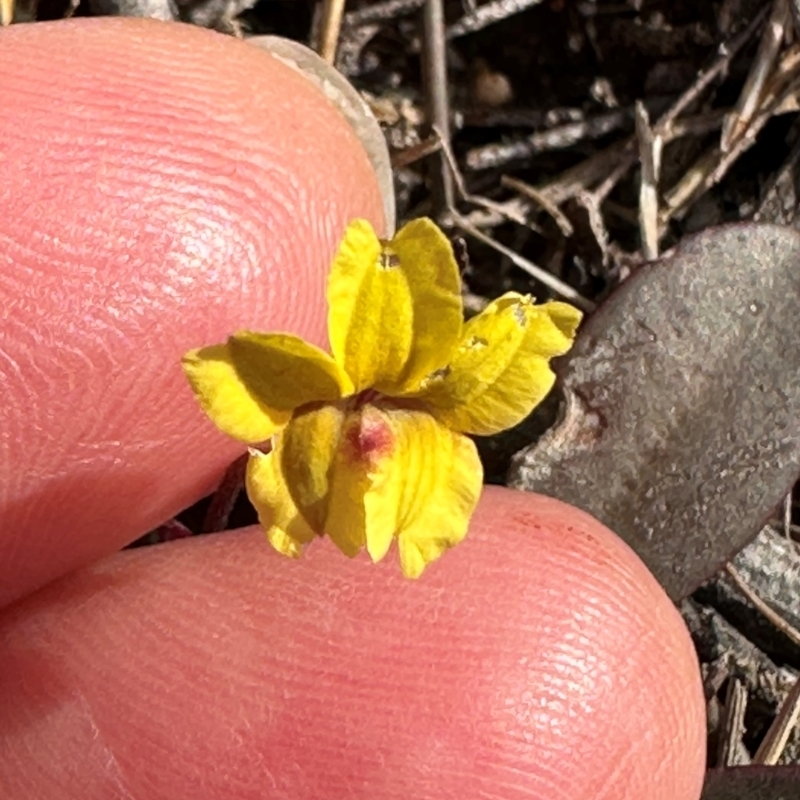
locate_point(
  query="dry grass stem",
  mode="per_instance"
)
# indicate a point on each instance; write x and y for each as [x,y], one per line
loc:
[330,27]
[611,165]
[437,96]
[725,54]
[564,225]
[517,208]
[541,275]
[714,164]
[587,173]
[505,211]
[591,202]
[650,146]
[689,187]
[614,162]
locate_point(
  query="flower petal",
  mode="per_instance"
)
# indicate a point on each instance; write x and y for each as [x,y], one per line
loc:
[226,400]
[395,311]
[367,476]
[295,486]
[424,483]
[501,370]
[285,372]
[250,385]
[286,529]
[322,485]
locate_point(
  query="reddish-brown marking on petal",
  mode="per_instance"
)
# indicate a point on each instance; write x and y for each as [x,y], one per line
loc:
[370,438]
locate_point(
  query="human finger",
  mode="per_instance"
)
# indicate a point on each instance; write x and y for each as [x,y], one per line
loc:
[537,660]
[162,187]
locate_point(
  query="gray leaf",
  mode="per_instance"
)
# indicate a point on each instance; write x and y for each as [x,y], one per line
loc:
[752,783]
[682,424]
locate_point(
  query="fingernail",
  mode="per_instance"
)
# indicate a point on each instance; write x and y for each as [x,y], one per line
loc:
[347,99]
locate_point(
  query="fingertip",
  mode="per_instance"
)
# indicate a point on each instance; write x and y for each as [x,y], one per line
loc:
[163,186]
[538,659]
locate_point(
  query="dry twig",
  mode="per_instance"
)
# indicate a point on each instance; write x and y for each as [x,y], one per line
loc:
[504,210]
[774,742]
[225,497]
[409,155]
[549,280]
[488,14]
[776,619]
[712,166]
[760,70]
[557,138]
[719,641]
[381,12]
[613,163]
[587,173]
[517,117]
[730,747]
[778,96]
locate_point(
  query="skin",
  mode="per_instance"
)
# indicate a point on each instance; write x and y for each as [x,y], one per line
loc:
[162,187]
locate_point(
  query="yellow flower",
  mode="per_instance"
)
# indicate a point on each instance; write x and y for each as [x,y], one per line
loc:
[369,444]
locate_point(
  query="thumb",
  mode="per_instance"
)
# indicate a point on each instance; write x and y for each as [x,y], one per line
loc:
[538,661]
[162,187]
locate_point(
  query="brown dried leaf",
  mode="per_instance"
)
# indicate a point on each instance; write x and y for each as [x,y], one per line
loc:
[682,423]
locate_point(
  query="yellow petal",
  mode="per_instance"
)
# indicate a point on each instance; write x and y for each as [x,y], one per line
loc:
[321,484]
[395,312]
[284,372]
[226,400]
[250,385]
[566,318]
[286,529]
[424,483]
[305,478]
[367,476]
[502,368]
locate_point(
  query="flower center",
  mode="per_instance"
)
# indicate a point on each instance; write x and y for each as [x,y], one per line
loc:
[369,438]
